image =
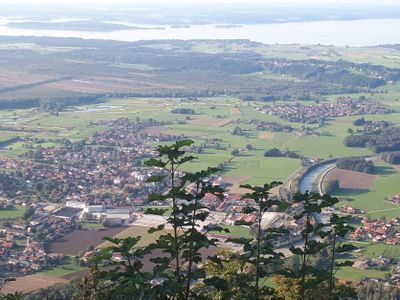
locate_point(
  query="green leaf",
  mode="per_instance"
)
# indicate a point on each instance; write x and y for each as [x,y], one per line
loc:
[218,283]
[186,159]
[283,206]
[346,248]
[156,211]
[155,178]
[241,222]
[155,197]
[346,263]
[239,240]
[248,209]
[297,251]
[158,228]
[246,186]
[183,143]
[153,162]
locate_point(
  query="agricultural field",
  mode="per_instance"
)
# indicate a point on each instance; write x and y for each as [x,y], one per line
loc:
[372,200]
[141,231]
[351,180]
[350,273]
[66,267]
[79,240]
[238,231]
[32,282]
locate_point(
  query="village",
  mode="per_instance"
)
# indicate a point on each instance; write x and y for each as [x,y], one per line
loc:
[316,113]
[98,180]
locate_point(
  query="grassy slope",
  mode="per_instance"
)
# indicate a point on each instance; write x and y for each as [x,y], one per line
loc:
[68,266]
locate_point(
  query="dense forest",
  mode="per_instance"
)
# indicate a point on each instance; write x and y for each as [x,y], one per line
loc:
[392,157]
[357,164]
[382,141]
[50,104]
[275,152]
[340,72]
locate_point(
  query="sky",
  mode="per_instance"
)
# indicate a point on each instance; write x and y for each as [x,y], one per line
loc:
[188,2]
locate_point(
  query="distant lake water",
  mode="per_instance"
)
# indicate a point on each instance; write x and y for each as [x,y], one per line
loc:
[341,33]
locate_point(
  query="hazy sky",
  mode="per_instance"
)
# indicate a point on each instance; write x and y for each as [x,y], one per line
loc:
[188,2]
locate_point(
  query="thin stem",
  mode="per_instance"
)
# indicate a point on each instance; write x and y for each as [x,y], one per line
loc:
[189,270]
[175,226]
[304,263]
[331,281]
[258,254]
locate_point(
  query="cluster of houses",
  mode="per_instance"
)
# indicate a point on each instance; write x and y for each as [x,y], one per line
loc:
[124,133]
[271,126]
[22,241]
[379,231]
[89,170]
[345,209]
[6,202]
[380,262]
[307,131]
[395,199]
[24,260]
[314,113]
[374,126]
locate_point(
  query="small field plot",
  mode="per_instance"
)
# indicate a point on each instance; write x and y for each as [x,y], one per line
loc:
[6,135]
[236,181]
[74,242]
[209,158]
[67,266]
[137,231]
[262,169]
[351,179]
[160,131]
[209,121]
[237,231]
[266,135]
[12,213]
[29,283]
[234,111]
[350,273]
[391,251]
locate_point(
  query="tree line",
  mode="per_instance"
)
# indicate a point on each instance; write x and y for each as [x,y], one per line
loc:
[358,164]
[49,104]
[387,140]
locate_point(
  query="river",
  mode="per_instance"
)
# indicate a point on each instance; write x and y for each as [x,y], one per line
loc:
[369,32]
[309,178]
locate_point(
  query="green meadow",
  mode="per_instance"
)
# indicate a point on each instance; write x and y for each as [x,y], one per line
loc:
[373,200]
[12,213]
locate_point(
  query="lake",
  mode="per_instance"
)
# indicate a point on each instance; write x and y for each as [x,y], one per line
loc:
[341,33]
